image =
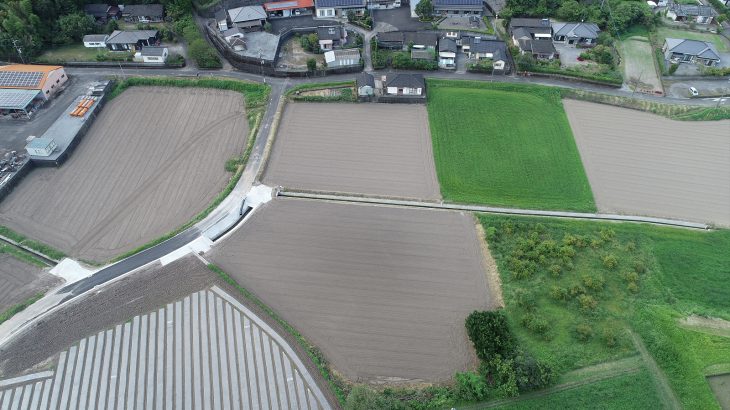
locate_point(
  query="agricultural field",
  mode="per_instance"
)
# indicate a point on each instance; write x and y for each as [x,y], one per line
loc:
[21,280]
[518,153]
[152,160]
[720,42]
[375,149]
[637,62]
[643,164]
[382,291]
[579,286]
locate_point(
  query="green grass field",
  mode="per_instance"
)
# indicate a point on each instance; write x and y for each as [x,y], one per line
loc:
[76,52]
[637,62]
[626,392]
[505,146]
[675,272]
[722,44]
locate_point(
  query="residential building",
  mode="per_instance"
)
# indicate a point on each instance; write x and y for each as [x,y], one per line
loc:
[289,8]
[331,37]
[533,36]
[458,7]
[383,4]
[394,40]
[248,18]
[405,85]
[42,80]
[694,13]
[154,55]
[421,40]
[221,20]
[478,48]
[576,34]
[365,84]
[342,58]
[338,8]
[681,50]
[539,49]
[131,40]
[447,53]
[95,40]
[102,12]
[143,13]
[232,33]
[495,6]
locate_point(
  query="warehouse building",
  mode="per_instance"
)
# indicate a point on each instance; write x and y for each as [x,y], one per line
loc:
[26,87]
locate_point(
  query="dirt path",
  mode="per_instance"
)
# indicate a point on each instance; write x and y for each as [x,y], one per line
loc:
[664,389]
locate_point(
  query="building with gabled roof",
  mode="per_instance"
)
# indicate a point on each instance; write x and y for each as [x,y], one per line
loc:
[338,8]
[405,85]
[131,40]
[144,13]
[696,13]
[583,34]
[458,7]
[289,8]
[682,50]
[44,80]
[248,17]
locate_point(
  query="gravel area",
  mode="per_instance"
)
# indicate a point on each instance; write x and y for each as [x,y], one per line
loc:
[642,164]
[20,280]
[382,291]
[152,160]
[374,149]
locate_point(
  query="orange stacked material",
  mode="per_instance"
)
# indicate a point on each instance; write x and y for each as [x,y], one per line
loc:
[83,106]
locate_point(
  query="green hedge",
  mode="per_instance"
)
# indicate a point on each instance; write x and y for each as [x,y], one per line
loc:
[614,78]
[204,55]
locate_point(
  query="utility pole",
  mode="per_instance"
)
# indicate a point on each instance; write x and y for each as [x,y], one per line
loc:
[19,50]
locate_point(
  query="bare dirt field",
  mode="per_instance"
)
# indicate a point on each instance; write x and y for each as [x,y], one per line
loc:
[383,291]
[644,164]
[20,281]
[292,55]
[376,149]
[152,160]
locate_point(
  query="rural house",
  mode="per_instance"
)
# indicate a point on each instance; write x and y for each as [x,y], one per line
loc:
[458,7]
[102,12]
[691,13]
[680,50]
[422,44]
[383,4]
[143,13]
[576,34]
[248,18]
[342,58]
[289,8]
[447,53]
[338,8]
[232,33]
[331,37]
[131,40]
[365,84]
[533,36]
[405,85]
[221,20]
[478,48]
[154,55]
[394,40]
[95,40]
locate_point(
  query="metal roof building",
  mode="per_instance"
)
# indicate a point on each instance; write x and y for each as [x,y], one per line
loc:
[17,100]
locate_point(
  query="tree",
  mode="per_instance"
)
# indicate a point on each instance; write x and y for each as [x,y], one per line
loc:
[311,64]
[570,10]
[111,26]
[490,334]
[75,26]
[424,9]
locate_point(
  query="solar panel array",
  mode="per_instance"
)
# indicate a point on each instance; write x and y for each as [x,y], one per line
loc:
[16,100]
[20,78]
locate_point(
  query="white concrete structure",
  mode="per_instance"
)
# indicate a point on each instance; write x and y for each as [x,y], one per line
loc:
[41,147]
[95,40]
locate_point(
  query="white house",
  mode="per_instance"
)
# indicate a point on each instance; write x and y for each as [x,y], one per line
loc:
[447,53]
[338,8]
[342,58]
[406,84]
[365,84]
[154,55]
[95,40]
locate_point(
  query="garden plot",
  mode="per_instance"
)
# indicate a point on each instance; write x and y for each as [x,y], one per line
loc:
[152,160]
[375,149]
[638,65]
[20,281]
[643,164]
[383,291]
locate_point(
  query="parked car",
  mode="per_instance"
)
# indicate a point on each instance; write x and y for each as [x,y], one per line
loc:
[694,91]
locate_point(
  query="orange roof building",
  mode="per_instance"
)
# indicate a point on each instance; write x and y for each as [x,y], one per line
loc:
[47,79]
[288,5]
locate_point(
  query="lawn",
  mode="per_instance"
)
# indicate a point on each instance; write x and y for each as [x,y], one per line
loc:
[505,145]
[625,392]
[75,52]
[720,42]
[572,287]
[637,63]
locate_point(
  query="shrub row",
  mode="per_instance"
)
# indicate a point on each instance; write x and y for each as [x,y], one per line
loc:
[204,55]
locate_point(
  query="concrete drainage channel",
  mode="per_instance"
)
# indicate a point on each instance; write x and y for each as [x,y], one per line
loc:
[282,192]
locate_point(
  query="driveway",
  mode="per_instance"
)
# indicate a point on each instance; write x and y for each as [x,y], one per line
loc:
[569,55]
[397,19]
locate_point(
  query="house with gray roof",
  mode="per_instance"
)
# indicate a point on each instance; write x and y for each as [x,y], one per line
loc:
[458,7]
[102,12]
[394,40]
[95,40]
[575,34]
[411,85]
[342,58]
[682,50]
[327,9]
[331,37]
[131,40]
[365,84]
[447,53]
[479,48]
[144,13]
[248,18]
[695,13]
[154,55]
[526,31]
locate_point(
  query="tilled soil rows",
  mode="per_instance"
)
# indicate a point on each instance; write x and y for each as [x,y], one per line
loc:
[19,281]
[643,164]
[382,291]
[152,160]
[375,149]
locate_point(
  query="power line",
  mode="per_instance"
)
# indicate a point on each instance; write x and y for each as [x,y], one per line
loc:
[19,50]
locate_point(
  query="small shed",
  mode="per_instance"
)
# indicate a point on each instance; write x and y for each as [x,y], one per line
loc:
[95,40]
[41,147]
[365,84]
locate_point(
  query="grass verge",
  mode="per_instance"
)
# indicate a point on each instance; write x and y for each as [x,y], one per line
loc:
[345,88]
[13,310]
[312,351]
[518,153]
[22,255]
[255,96]
[572,287]
[39,247]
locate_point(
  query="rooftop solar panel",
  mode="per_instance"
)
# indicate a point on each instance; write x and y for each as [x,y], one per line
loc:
[20,79]
[16,99]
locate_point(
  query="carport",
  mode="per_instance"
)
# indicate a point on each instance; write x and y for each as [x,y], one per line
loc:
[17,102]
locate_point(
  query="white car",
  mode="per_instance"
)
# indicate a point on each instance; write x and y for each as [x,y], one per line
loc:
[694,91]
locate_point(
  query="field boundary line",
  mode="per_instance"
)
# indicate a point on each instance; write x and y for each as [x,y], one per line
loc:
[272,136]
[44,258]
[491,210]
[669,397]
